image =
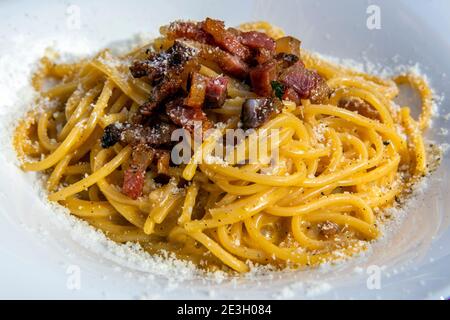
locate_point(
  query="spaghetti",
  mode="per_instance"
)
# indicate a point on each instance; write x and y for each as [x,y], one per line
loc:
[341,160]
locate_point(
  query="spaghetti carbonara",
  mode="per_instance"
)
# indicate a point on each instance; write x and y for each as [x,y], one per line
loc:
[228,147]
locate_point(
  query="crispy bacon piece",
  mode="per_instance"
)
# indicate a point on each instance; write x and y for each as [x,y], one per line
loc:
[308,84]
[291,95]
[173,82]
[216,92]
[187,29]
[186,117]
[257,40]
[167,88]
[263,55]
[360,106]
[229,63]
[262,76]
[153,134]
[256,112]
[133,180]
[157,65]
[139,69]
[154,68]
[168,72]
[225,39]
[197,91]
[133,183]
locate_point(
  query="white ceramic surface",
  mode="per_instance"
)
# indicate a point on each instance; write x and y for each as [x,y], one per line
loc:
[35,252]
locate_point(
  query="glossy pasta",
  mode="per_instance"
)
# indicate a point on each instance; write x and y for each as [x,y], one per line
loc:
[322,200]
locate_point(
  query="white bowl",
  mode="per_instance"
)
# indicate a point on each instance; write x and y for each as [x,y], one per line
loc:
[43,252]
